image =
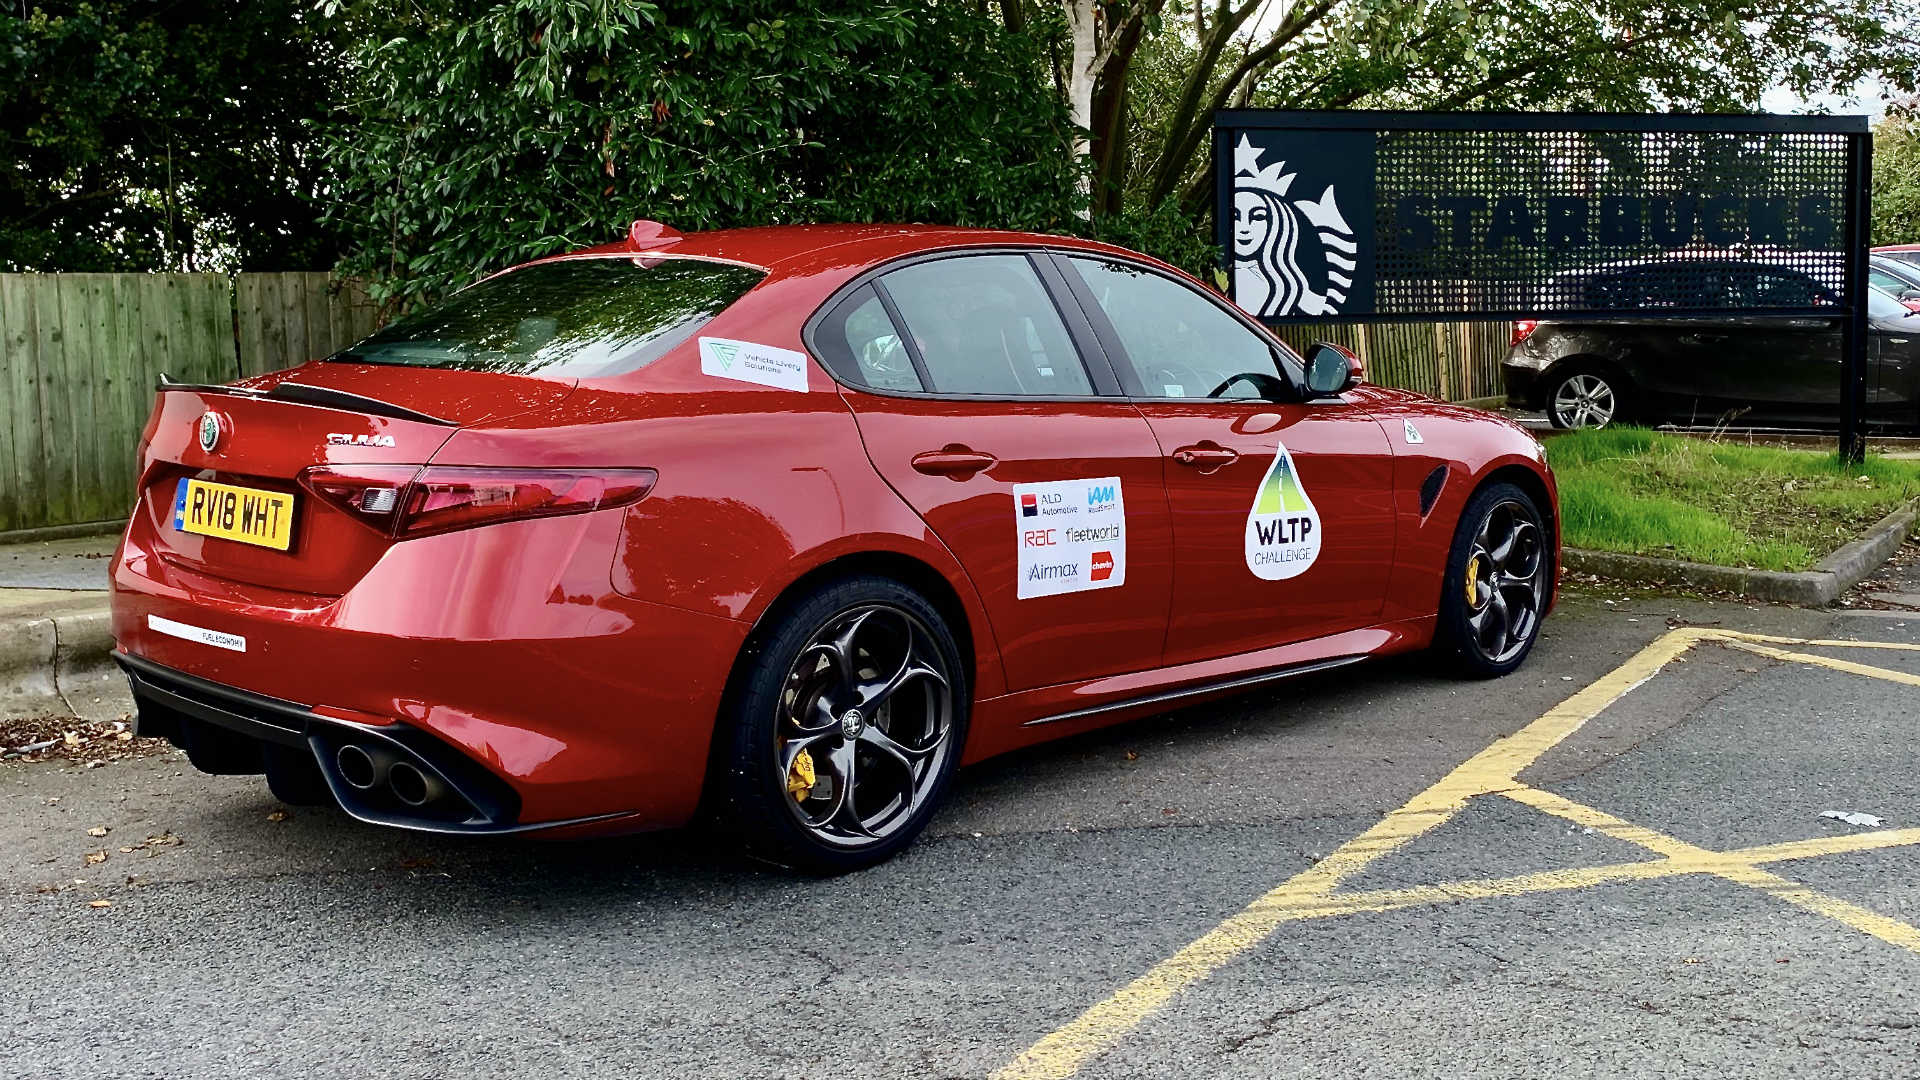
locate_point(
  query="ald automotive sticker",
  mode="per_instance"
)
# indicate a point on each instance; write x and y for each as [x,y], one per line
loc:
[746,361]
[1283,530]
[1071,535]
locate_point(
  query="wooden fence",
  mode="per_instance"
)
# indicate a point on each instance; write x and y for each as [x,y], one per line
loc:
[79,355]
[1453,361]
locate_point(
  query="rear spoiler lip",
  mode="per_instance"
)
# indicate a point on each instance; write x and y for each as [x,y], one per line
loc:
[303,394]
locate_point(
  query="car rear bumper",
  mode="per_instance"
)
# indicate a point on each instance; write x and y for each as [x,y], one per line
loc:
[498,660]
[1524,386]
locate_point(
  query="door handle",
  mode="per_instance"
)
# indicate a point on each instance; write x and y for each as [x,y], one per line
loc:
[1205,456]
[953,460]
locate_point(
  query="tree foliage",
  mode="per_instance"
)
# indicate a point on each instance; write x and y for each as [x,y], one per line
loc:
[146,136]
[482,137]
[1896,179]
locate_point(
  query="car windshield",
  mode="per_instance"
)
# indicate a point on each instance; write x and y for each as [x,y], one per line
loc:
[573,318]
[1883,305]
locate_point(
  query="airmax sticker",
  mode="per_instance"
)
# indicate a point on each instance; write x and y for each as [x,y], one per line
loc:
[747,361]
[1071,536]
[1283,529]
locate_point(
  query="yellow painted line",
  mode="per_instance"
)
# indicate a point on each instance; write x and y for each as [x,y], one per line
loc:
[1062,1052]
[1834,663]
[1382,900]
[1825,643]
[1310,893]
[1729,866]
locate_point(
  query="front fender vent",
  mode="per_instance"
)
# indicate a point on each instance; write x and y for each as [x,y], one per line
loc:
[1430,489]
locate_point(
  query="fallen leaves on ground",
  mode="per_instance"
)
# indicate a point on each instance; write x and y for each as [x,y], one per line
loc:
[68,738]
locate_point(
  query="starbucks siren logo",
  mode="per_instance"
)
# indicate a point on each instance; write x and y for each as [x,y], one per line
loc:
[1283,530]
[1270,234]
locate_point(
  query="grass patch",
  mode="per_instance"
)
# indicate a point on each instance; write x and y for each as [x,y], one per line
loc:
[1645,493]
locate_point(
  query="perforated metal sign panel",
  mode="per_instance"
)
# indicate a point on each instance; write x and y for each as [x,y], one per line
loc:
[1334,216]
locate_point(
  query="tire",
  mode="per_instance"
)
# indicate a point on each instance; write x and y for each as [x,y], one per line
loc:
[1484,633]
[859,676]
[1586,396]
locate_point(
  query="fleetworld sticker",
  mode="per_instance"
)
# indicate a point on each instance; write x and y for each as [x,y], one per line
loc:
[1283,530]
[1071,536]
[747,361]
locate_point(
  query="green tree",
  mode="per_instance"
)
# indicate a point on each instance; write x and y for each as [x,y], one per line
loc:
[1147,75]
[474,138]
[150,136]
[1896,179]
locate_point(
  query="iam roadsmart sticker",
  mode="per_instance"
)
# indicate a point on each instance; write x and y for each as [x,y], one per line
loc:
[747,361]
[1071,536]
[1283,531]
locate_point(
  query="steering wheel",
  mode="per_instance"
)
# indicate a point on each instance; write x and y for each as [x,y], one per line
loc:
[1264,385]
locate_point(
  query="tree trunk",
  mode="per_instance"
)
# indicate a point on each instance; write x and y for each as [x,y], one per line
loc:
[1081,72]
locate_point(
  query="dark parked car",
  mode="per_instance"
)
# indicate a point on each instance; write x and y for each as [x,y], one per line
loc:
[1901,280]
[1754,371]
[1906,253]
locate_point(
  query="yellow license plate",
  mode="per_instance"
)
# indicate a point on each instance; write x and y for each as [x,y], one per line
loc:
[249,515]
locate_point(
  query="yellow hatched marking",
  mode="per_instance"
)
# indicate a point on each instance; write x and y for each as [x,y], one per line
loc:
[1310,894]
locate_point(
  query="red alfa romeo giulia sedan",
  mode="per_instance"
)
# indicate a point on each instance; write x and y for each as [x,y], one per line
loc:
[787,524]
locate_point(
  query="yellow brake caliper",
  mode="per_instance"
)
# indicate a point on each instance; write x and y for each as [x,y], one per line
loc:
[1473,576]
[800,778]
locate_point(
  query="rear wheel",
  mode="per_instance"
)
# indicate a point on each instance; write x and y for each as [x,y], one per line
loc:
[1497,583]
[845,729]
[1585,397]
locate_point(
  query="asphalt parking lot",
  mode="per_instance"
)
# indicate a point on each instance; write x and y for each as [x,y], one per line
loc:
[1614,862]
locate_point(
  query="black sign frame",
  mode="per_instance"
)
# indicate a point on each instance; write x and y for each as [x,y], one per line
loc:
[1850,188]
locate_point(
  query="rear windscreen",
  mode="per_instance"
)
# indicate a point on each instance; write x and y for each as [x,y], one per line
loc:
[576,318]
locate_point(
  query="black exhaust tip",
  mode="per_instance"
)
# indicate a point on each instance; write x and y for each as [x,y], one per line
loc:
[357,767]
[412,785]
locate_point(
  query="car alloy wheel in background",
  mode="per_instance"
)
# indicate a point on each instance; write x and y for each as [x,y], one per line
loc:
[1583,400]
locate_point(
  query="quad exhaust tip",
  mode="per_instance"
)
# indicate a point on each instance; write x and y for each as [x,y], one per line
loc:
[370,768]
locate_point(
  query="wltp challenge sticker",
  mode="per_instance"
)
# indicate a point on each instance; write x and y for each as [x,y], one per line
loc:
[1283,531]
[1071,535]
[747,361]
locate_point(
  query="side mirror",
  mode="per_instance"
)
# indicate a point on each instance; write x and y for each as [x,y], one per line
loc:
[1910,294]
[1332,370]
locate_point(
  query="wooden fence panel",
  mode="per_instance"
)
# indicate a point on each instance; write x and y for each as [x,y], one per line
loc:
[1452,361]
[289,319]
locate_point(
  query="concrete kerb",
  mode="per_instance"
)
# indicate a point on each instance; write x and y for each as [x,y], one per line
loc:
[1817,587]
[57,663]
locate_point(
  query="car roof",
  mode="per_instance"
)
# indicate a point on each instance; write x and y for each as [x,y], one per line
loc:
[784,249]
[1898,247]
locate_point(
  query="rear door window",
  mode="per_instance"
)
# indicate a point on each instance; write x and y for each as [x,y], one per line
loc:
[984,325]
[574,318]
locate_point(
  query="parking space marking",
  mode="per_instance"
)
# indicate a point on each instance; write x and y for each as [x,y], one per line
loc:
[1310,894]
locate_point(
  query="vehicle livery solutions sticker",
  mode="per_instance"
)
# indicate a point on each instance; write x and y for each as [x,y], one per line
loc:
[747,361]
[1071,536]
[1283,529]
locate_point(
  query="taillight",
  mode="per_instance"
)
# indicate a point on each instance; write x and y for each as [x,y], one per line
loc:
[403,501]
[1523,329]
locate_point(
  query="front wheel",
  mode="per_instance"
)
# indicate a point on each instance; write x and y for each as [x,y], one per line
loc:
[847,726]
[1499,573]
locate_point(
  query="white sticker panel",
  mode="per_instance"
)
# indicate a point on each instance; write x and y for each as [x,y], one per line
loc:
[215,638]
[748,361]
[1071,536]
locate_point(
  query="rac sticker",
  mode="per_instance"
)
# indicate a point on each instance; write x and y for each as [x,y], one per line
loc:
[1283,529]
[746,361]
[1071,536]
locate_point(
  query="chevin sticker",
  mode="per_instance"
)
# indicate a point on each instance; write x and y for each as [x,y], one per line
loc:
[747,361]
[1071,536]
[1283,530]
